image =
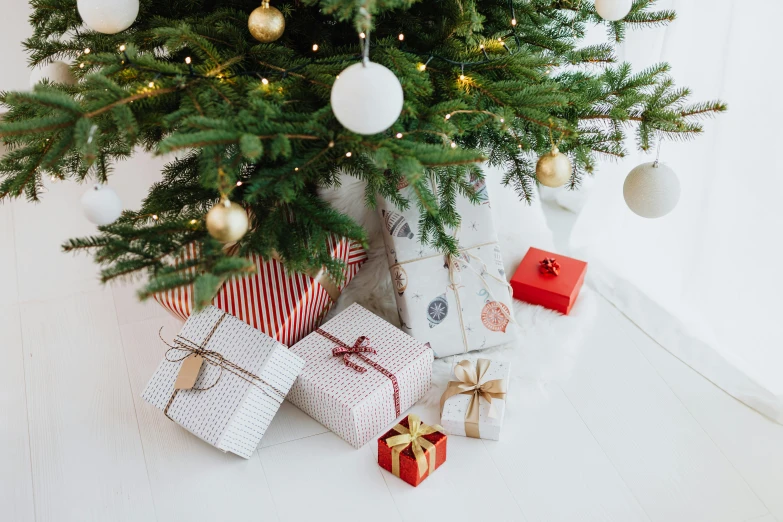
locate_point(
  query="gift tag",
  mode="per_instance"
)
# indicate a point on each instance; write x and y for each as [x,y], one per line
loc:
[188,372]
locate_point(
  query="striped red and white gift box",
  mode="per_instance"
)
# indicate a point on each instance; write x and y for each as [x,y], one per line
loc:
[284,305]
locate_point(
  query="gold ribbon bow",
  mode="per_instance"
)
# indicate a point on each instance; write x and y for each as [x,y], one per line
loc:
[471,382]
[413,436]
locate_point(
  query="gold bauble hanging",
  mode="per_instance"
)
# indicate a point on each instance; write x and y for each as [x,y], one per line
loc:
[554,169]
[266,23]
[227,222]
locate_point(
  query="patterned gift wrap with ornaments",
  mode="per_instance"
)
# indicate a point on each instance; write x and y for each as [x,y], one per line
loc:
[362,373]
[284,305]
[411,450]
[223,381]
[457,304]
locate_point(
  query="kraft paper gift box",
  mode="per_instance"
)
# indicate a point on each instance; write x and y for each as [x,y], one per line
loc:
[456,304]
[362,373]
[282,304]
[474,404]
[223,381]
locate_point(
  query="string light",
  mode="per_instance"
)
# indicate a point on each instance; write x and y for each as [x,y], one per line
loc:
[296,169]
[337,77]
[264,81]
[193,221]
[462,77]
[453,145]
[122,48]
[87,50]
[315,47]
[188,60]
[81,66]
[399,135]
[151,85]
[448,116]
[481,47]
[348,154]
[331,144]
[155,217]
[514,22]
[502,120]
[422,67]
[362,35]
[239,183]
[401,37]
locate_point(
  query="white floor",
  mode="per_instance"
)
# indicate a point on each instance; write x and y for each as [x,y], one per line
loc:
[631,434]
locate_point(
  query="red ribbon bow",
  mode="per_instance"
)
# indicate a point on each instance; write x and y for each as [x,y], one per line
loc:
[549,265]
[346,351]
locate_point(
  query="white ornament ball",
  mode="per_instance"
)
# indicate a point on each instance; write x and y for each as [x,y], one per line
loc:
[613,10]
[367,98]
[651,190]
[101,205]
[108,16]
[55,72]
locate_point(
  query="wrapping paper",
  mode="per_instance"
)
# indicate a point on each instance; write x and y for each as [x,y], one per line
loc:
[403,463]
[357,405]
[455,409]
[470,313]
[557,292]
[236,409]
[286,306]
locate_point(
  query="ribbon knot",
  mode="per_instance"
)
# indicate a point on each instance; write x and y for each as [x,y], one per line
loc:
[413,435]
[471,382]
[549,265]
[358,347]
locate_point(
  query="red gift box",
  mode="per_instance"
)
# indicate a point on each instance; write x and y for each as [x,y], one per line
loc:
[552,284]
[284,305]
[412,450]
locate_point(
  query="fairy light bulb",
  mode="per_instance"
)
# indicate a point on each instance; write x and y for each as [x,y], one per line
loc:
[502,120]
[193,221]
[399,135]
[348,154]
[239,183]
[481,47]
[122,48]
[87,50]
[401,37]
[422,67]
[81,66]
[362,35]
[296,169]
[155,217]
[264,81]
[315,47]
[453,145]
[188,60]
[151,85]
[448,116]
[514,22]
[462,77]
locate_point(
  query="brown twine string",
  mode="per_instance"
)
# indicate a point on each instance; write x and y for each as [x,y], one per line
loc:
[215,359]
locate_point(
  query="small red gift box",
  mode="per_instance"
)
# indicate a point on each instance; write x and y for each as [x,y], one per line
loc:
[412,450]
[549,280]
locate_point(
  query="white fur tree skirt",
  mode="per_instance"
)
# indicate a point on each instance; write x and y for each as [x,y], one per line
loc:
[548,342]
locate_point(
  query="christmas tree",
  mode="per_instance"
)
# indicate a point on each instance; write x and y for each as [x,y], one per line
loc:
[503,81]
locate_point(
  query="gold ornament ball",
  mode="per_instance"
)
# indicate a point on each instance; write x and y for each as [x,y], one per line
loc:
[554,169]
[227,222]
[266,23]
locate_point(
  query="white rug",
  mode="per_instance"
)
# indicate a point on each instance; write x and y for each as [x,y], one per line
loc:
[548,342]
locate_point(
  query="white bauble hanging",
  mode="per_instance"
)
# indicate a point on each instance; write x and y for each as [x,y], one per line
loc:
[651,190]
[367,98]
[101,205]
[613,10]
[55,72]
[108,16]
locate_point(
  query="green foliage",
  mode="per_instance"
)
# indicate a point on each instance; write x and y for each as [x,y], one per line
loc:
[259,114]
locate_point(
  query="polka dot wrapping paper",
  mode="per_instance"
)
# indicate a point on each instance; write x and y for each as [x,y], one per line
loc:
[241,384]
[358,405]
[457,304]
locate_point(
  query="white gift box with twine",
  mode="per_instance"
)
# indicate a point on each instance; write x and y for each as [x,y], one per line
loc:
[223,380]
[474,403]
[456,303]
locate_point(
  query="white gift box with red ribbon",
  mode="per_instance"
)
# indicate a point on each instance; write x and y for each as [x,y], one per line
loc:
[362,373]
